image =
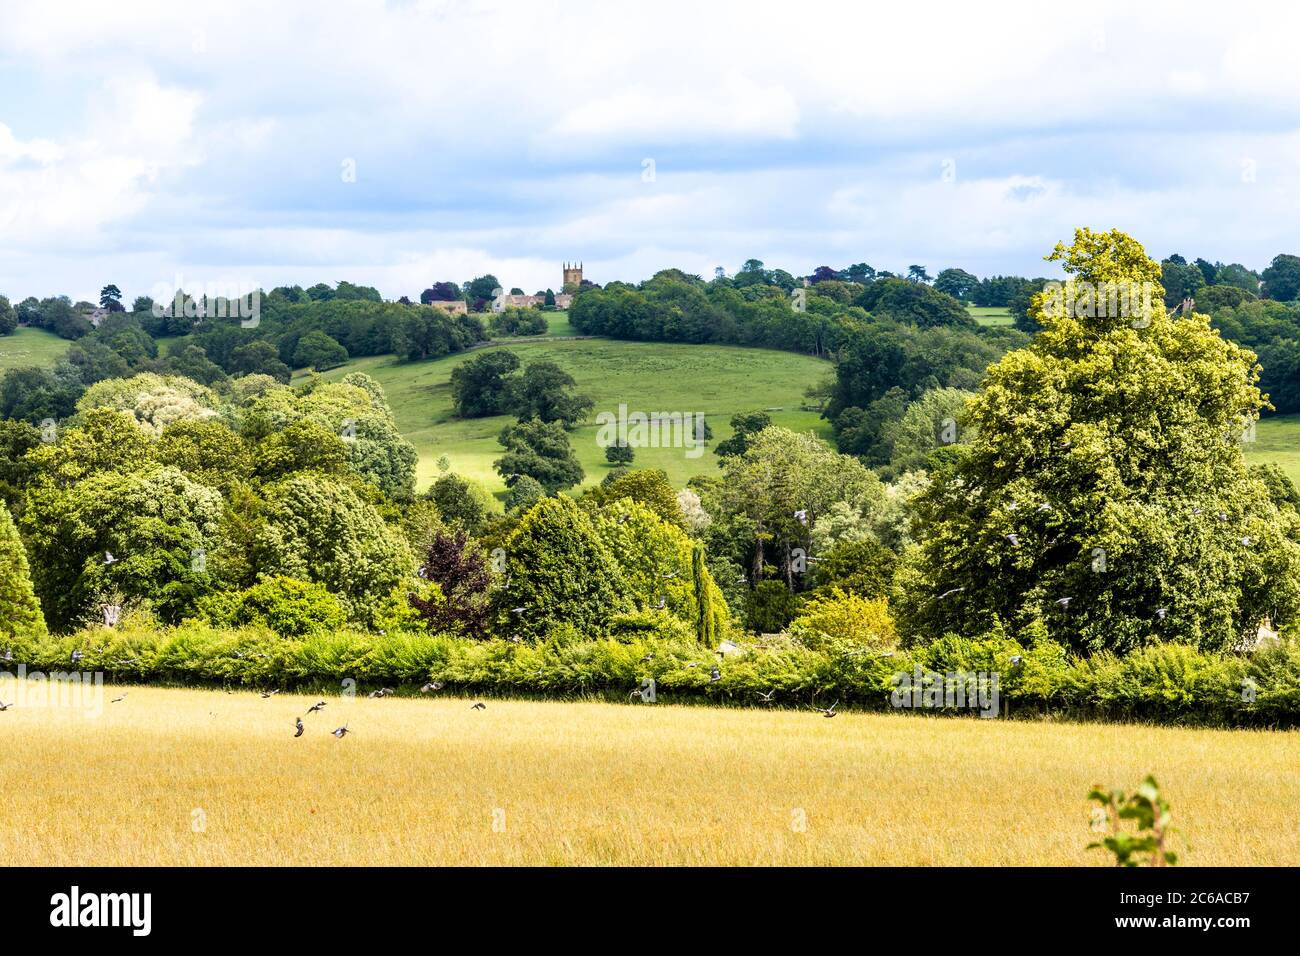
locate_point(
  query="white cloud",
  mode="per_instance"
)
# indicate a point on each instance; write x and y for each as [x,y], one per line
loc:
[506,136]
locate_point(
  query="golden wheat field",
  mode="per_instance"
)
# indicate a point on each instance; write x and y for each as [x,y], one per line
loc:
[188,777]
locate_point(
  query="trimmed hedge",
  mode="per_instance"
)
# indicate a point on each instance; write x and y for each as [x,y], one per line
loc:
[1164,683]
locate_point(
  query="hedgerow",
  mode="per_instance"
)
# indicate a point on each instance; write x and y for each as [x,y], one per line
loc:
[1166,683]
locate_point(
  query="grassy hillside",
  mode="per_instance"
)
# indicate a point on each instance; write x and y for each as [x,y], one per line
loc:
[649,377]
[31,347]
[1278,439]
[990,315]
[195,777]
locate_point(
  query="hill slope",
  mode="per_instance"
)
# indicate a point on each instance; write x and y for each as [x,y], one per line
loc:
[717,380]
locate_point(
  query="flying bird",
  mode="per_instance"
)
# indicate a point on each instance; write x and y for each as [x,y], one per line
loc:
[316,708]
[802,515]
[1063,602]
[297,722]
[647,659]
[479,706]
[266,694]
[950,593]
[671,574]
[767,698]
[76,656]
[1014,539]
[827,711]
[518,610]
[118,700]
[108,557]
[660,605]
[4,706]
[382,692]
[715,675]
[341,732]
[1162,612]
[431,687]
[1043,507]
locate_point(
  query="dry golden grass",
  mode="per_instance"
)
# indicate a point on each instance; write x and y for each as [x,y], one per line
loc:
[423,781]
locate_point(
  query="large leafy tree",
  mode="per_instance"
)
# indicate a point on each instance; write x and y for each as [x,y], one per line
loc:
[559,571]
[543,391]
[540,450]
[773,494]
[1282,278]
[479,386]
[321,530]
[1104,491]
[139,535]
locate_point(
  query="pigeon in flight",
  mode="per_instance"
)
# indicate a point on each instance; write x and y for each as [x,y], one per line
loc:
[802,515]
[1063,602]
[108,558]
[316,708]
[382,692]
[949,593]
[647,659]
[715,675]
[660,605]
[341,732]
[518,610]
[4,706]
[827,711]
[432,686]
[297,722]
[267,694]
[767,698]
[1162,612]
[9,654]
[1014,539]
[76,656]
[479,706]
[118,700]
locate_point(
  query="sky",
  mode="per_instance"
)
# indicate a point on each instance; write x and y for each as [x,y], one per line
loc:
[395,144]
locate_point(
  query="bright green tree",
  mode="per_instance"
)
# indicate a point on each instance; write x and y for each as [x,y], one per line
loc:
[1104,491]
[20,612]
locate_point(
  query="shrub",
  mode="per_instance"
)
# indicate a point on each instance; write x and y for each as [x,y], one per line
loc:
[846,618]
[287,606]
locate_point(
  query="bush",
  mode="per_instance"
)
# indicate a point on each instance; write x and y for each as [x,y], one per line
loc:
[846,619]
[288,607]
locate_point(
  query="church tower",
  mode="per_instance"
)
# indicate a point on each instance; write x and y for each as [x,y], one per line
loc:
[572,274]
